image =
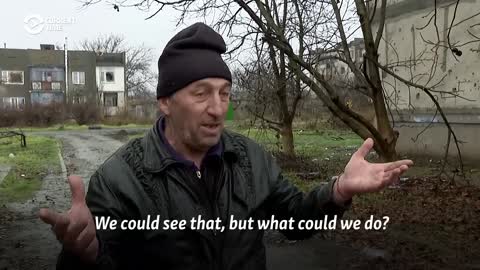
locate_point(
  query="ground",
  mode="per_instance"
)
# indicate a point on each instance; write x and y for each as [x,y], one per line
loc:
[28,243]
[432,223]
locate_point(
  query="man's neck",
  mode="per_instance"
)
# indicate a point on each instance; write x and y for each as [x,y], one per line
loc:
[187,152]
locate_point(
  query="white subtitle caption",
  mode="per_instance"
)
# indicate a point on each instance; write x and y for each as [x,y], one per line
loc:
[198,223]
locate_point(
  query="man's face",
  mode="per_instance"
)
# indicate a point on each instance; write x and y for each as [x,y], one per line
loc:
[197,112]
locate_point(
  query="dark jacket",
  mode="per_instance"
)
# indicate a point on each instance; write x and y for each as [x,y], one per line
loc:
[142,179]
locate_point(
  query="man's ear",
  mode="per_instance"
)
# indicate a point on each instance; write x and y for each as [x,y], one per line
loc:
[164,105]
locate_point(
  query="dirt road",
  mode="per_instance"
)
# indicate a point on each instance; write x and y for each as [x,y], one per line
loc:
[27,243]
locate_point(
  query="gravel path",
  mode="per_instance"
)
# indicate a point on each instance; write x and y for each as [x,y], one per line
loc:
[26,242]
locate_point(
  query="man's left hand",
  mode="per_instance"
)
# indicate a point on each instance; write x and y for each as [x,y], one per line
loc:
[361,176]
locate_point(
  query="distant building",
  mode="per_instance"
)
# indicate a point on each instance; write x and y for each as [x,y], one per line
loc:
[32,76]
[110,78]
[335,68]
[341,77]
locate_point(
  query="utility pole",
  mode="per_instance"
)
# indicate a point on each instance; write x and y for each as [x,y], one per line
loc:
[66,70]
[65,102]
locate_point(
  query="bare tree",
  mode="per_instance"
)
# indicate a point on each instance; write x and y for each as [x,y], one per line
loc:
[306,33]
[272,94]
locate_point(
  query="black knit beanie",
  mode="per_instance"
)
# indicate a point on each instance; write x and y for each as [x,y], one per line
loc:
[192,54]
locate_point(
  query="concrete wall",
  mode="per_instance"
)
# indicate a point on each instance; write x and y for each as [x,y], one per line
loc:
[405,47]
[121,100]
[433,141]
[81,61]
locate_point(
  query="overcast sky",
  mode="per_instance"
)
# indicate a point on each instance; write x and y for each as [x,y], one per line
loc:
[29,23]
[22,27]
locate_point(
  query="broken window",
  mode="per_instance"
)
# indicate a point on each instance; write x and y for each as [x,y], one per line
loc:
[108,76]
[12,77]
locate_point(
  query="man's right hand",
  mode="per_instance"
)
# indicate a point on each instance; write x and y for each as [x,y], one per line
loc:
[75,229]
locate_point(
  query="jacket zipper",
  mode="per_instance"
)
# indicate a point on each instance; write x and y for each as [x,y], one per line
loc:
[213,202]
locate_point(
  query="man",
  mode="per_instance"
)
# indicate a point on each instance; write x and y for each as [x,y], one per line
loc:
[187,165]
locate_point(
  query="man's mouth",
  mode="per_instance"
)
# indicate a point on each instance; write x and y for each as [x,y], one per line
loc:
[211,127]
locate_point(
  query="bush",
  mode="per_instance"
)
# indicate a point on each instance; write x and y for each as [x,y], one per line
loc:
[81,114]
[43,115]
[85,114]
[35,115]
[8,118]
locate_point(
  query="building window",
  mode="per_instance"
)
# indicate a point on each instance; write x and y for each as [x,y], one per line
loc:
[37,85]
[13,102]
[47,78]
[47,74]
[110,100]
[12,77]
[56,86]
[108,76]
[78,99]
[78,77]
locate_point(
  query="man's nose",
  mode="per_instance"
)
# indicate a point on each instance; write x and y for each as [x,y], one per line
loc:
[215,106]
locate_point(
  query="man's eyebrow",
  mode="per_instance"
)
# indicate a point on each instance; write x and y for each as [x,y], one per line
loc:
[203,85]
[209,85]
[227,84]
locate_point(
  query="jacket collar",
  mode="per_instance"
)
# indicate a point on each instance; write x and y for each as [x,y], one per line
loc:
[158,154]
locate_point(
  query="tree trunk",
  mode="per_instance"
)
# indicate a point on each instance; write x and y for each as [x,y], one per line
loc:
[389,136]
[286,138]
[386,151]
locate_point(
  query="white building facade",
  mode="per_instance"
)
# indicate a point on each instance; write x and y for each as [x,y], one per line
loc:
[111,83]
